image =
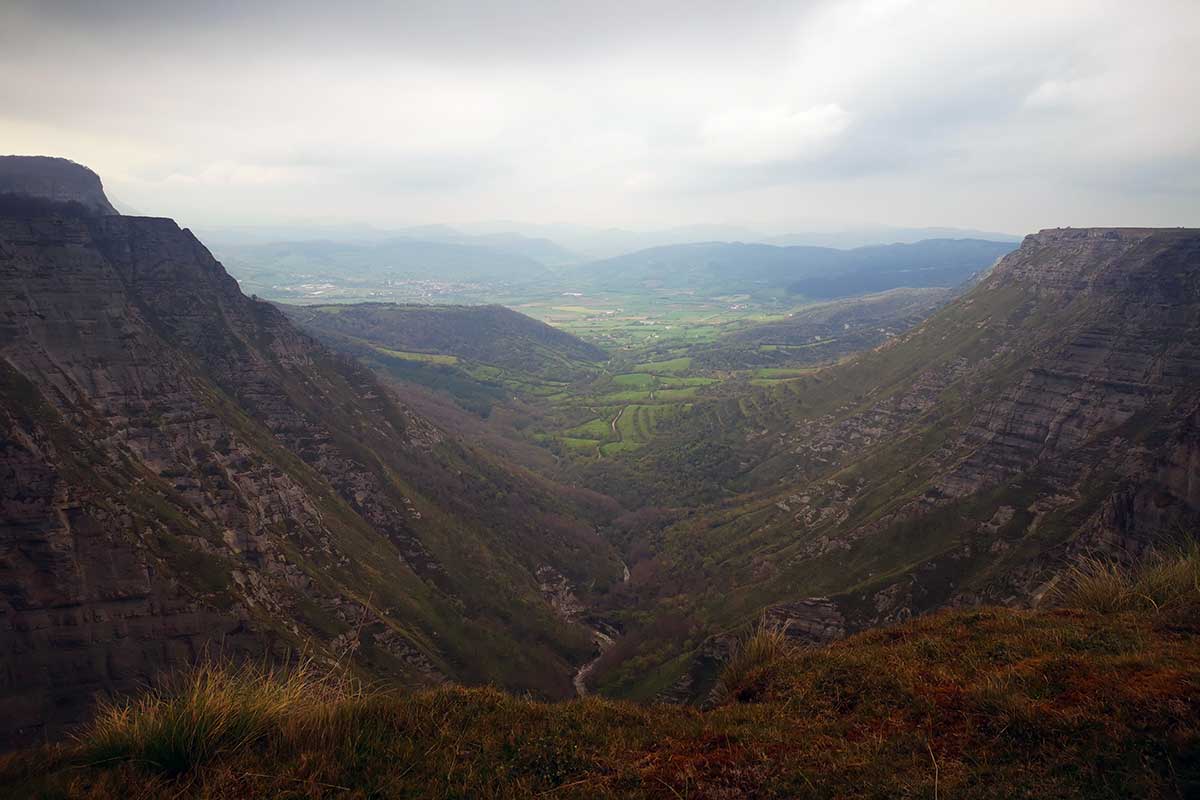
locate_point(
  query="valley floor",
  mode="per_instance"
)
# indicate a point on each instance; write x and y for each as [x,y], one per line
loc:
[978,703]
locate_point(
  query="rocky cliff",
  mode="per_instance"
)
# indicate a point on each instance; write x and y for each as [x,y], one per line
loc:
[55,179]
[183,472]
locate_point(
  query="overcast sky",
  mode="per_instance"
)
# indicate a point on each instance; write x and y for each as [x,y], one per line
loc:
[1007,116]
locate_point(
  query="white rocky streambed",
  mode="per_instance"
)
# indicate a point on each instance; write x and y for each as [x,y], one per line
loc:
[603,642]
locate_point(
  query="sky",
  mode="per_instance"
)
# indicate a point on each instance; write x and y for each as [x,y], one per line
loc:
[1009,116]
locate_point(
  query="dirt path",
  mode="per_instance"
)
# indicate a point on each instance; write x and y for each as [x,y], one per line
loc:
[617,419]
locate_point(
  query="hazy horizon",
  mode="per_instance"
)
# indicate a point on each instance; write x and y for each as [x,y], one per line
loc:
[779,117]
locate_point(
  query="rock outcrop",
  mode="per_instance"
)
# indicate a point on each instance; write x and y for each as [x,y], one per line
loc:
[54,179]
[812,620]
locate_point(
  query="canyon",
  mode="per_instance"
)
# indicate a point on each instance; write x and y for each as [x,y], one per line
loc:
[189,472]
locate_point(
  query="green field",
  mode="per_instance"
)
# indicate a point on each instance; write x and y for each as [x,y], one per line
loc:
[623,397]
[580,445]
[639,380]
[669,366]
[594,429]
[774,376]
[641,389]
[626,322]
[676,382]
[427,358]
[671,395]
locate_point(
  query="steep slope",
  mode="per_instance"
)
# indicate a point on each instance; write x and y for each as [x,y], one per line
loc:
[1053,409]
[183,470]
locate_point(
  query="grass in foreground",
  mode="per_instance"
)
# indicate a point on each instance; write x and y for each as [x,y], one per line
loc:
[753,662]
[213,710]
[981,703]
[1165,583]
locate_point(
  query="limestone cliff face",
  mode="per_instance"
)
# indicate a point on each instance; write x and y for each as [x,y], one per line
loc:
[1084,434]
[88,393]
[1084,418]
[1128,340]
[55,179]
[182,471]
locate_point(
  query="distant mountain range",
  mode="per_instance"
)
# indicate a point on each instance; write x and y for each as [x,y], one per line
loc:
[815,272]
[512,260]
[593,243]
[863,237]
[538,248]
[559,244]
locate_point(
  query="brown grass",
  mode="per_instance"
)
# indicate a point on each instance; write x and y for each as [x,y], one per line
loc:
[217,709]
[977,704]
[1165,582]
[752,662]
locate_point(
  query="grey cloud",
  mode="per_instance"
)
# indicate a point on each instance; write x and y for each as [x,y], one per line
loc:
[655,113]
[516,29]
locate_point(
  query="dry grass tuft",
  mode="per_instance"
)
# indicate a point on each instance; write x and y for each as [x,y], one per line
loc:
[752,663]
[212,710]
[1166,582]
